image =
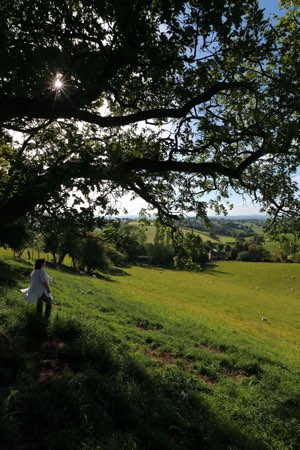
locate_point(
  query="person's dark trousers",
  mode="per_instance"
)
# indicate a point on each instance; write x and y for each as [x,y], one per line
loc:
[39,305]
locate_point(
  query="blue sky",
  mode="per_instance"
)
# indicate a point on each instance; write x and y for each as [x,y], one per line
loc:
[242,205]
[270,6]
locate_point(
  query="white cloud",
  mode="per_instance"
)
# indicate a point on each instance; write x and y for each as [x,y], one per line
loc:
[244,208]
[133,206]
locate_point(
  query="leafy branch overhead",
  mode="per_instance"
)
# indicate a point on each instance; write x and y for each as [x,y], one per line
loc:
[168,100]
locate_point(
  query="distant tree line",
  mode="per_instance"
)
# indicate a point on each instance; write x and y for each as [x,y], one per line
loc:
[96,244]
[112,244]
[234,228]
[250,251]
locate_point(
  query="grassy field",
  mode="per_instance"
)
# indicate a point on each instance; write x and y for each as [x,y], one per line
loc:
[270,245]
[153,359]
[151,230]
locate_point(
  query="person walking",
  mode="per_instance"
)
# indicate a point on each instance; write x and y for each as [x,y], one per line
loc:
[39,291]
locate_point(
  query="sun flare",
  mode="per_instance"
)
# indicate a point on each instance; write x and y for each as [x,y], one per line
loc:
[57,83]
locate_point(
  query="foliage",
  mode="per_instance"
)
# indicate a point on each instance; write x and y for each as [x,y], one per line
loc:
[63,230]
[162,250]
[254,252]
[287,233]
[92,254]
[127,239]
[117,257]
[190,251]
[54,244]
[294,257]
[18,236]
[214,87]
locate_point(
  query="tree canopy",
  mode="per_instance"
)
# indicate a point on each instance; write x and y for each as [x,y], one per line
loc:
[167,99]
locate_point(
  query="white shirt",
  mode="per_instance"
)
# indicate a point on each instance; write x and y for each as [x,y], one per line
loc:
[36,288]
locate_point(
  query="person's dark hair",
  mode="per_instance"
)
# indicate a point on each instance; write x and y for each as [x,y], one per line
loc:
[39,263]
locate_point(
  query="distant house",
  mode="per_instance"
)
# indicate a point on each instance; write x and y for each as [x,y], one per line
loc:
[217,255]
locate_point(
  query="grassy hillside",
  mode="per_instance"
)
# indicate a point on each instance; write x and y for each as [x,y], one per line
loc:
[269,244]
[153,359]
[151,230]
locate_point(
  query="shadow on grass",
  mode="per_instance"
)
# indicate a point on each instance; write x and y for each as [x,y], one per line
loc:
[76,389]
[13,273]
[212,269]
[115,271]
[98,275]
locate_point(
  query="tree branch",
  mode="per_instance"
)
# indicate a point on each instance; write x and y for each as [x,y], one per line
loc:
[209,168]
[47,108]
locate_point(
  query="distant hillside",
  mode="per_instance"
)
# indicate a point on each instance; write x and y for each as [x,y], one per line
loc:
[242,217]
[229,231]
[252,217]
[221,231]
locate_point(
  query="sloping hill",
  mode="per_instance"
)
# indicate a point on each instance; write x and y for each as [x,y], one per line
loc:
[153,359]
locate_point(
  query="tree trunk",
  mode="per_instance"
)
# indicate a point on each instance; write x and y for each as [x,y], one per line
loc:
[61,258]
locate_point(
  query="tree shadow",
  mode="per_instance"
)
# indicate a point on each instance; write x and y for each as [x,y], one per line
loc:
[115,272]
[11,277]
[104,276]
[76,389]
[212,269]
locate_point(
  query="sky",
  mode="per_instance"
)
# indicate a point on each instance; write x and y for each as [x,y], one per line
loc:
[270,6]
[242,205]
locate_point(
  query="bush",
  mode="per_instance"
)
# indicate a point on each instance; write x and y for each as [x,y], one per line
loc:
[93,255]
[245,256]
[254,253]
[117,257]
[295,257]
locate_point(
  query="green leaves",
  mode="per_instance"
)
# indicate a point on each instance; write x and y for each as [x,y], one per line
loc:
[182,99]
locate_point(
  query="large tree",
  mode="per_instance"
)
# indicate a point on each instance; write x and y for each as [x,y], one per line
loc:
[167,99]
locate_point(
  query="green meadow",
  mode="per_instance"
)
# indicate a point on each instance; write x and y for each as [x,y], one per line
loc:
[150,231]
[153,359]
[270,245]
